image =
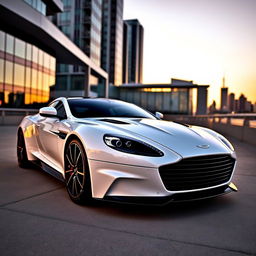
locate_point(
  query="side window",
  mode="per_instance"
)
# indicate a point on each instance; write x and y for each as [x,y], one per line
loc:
[61,110]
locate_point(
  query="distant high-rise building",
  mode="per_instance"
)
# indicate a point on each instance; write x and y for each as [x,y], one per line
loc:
[254,108]
[212,108]
[202,96]
[81,21]
[133,52]
[248,106]
[112,40]
[236,105]
[224,99]
[231,102]
[242,103]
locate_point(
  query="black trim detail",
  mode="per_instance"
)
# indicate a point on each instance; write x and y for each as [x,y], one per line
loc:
[48,115]
[176,122]
[48,169]
[138,147]
[113,121]
[178,197]
[62,135]
[197,172]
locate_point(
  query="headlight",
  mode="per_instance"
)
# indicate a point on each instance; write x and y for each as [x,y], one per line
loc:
[226,142]
[131,146]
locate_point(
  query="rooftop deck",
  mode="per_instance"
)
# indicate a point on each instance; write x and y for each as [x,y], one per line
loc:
[38,218]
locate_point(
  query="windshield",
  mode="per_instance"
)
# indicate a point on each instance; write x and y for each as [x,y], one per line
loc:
[86,108]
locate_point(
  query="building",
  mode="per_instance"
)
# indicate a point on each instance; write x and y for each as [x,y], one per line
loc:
[26,71]
[248,107]
[30,45]
[212,108]
[178,97]
[112,40]
[81,21]
[254,107]
[242,104]
[202,97]
[231,102]
[236,106]
[133,52]
[224,99]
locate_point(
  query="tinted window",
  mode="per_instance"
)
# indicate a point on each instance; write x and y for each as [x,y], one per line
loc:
[83,108]
[61,110]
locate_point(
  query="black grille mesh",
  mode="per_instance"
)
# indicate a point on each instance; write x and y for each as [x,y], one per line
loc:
[197,172]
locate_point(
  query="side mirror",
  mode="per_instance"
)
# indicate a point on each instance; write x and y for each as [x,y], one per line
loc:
[159,115]
[48,112]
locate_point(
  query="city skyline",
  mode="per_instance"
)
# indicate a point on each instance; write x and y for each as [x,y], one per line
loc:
[200,41]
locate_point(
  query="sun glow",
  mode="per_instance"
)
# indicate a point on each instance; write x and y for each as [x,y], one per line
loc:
[200,41]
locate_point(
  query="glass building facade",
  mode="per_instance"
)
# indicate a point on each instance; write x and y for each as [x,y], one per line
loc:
[26,72]
[38,5]
[133,40]
[81,22]
[166,100]
[112,40]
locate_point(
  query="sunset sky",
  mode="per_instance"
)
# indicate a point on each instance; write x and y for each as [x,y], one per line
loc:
[199,40]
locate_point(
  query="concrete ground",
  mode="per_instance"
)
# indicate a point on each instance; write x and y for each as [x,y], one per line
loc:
[38,218]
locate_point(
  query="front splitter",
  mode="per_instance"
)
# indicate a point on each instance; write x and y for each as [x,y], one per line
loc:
[178,197]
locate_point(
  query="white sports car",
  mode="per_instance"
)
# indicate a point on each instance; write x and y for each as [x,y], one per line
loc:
[113,150]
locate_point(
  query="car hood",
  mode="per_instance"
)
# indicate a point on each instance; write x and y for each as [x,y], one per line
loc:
[185,140]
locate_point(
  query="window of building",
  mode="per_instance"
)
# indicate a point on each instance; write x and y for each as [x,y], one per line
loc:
[29,52]
[66,2]
[35,54]
[24,84]
[40,57]
[28,77]
[2,41]
[52,63]
[1,70]
[77,83]
[61,83]
[34,78]
[9,44]
[19,73]
[51,80]
[46,60]
[66,30]
[19,48]
[37,5]
[8,72]
[65,16]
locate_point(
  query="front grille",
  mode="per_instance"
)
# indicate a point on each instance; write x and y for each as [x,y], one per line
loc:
[197,172]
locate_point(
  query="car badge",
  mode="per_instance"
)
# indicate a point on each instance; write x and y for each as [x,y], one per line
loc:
[203,146]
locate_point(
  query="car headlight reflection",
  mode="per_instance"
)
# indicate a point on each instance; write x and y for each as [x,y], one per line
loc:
[131,146]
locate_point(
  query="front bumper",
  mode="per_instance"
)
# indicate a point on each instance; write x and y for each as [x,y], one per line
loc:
[142,185]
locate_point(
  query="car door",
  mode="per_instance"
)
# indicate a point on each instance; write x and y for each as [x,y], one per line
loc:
[49,134]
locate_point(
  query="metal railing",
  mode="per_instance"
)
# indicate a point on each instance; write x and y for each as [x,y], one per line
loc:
[13,116]
[248,120]
[241,126]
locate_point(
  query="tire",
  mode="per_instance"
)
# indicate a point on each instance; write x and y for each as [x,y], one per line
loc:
[22,157]
[77,174]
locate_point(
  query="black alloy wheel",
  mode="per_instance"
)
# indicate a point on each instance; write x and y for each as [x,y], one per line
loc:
[77,175]
[23,161]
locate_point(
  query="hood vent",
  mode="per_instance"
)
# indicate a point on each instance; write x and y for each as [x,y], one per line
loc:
[176,122]
[113,121]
